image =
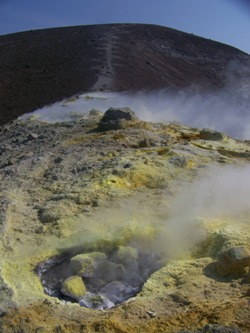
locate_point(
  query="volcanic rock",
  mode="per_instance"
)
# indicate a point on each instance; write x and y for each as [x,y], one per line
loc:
[114,119]
[86,263]
[233,261]
[208,134]
[116,114]
[96,301]
[74,287]
[115,291]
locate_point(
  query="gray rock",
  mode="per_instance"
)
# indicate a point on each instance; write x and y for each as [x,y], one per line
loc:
[107,271]
[115,291]
[96,301]
[233,261]
[118,291]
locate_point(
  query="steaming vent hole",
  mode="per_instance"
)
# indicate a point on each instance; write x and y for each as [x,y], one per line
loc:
[98,280]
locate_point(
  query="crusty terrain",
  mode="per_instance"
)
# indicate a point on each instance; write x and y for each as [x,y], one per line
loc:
[69,188]
[44,66]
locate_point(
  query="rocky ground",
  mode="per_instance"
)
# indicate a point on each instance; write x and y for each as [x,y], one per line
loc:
[98,185]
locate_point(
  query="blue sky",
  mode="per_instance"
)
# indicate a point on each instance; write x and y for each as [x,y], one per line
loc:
[227,21]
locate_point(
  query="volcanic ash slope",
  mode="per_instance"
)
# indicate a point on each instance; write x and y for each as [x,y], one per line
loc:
[84,186]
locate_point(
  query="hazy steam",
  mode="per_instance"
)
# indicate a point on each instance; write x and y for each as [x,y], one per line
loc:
[225,110]
[219,193]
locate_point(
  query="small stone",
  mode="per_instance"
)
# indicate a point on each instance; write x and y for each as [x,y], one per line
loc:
[151,314]
[96,301]
[74,287]
[32,136]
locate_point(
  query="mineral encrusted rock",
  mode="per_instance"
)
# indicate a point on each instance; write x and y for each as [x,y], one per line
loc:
[74,287]
[85,264]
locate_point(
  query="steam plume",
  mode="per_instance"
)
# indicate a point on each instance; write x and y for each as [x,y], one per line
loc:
[225,110]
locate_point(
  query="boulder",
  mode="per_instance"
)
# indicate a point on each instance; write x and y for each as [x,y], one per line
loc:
[84,264]
[115,291]
[233,261]
[208,134]
[118,113]
[107,271]
[115,118]
[74,287]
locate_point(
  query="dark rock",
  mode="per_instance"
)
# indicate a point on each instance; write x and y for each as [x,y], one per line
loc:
[233,261]
[208,134]
[115,119]
[58,159]
[118,113]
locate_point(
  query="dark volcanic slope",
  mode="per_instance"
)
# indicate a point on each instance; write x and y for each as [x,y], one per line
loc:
[44,66]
